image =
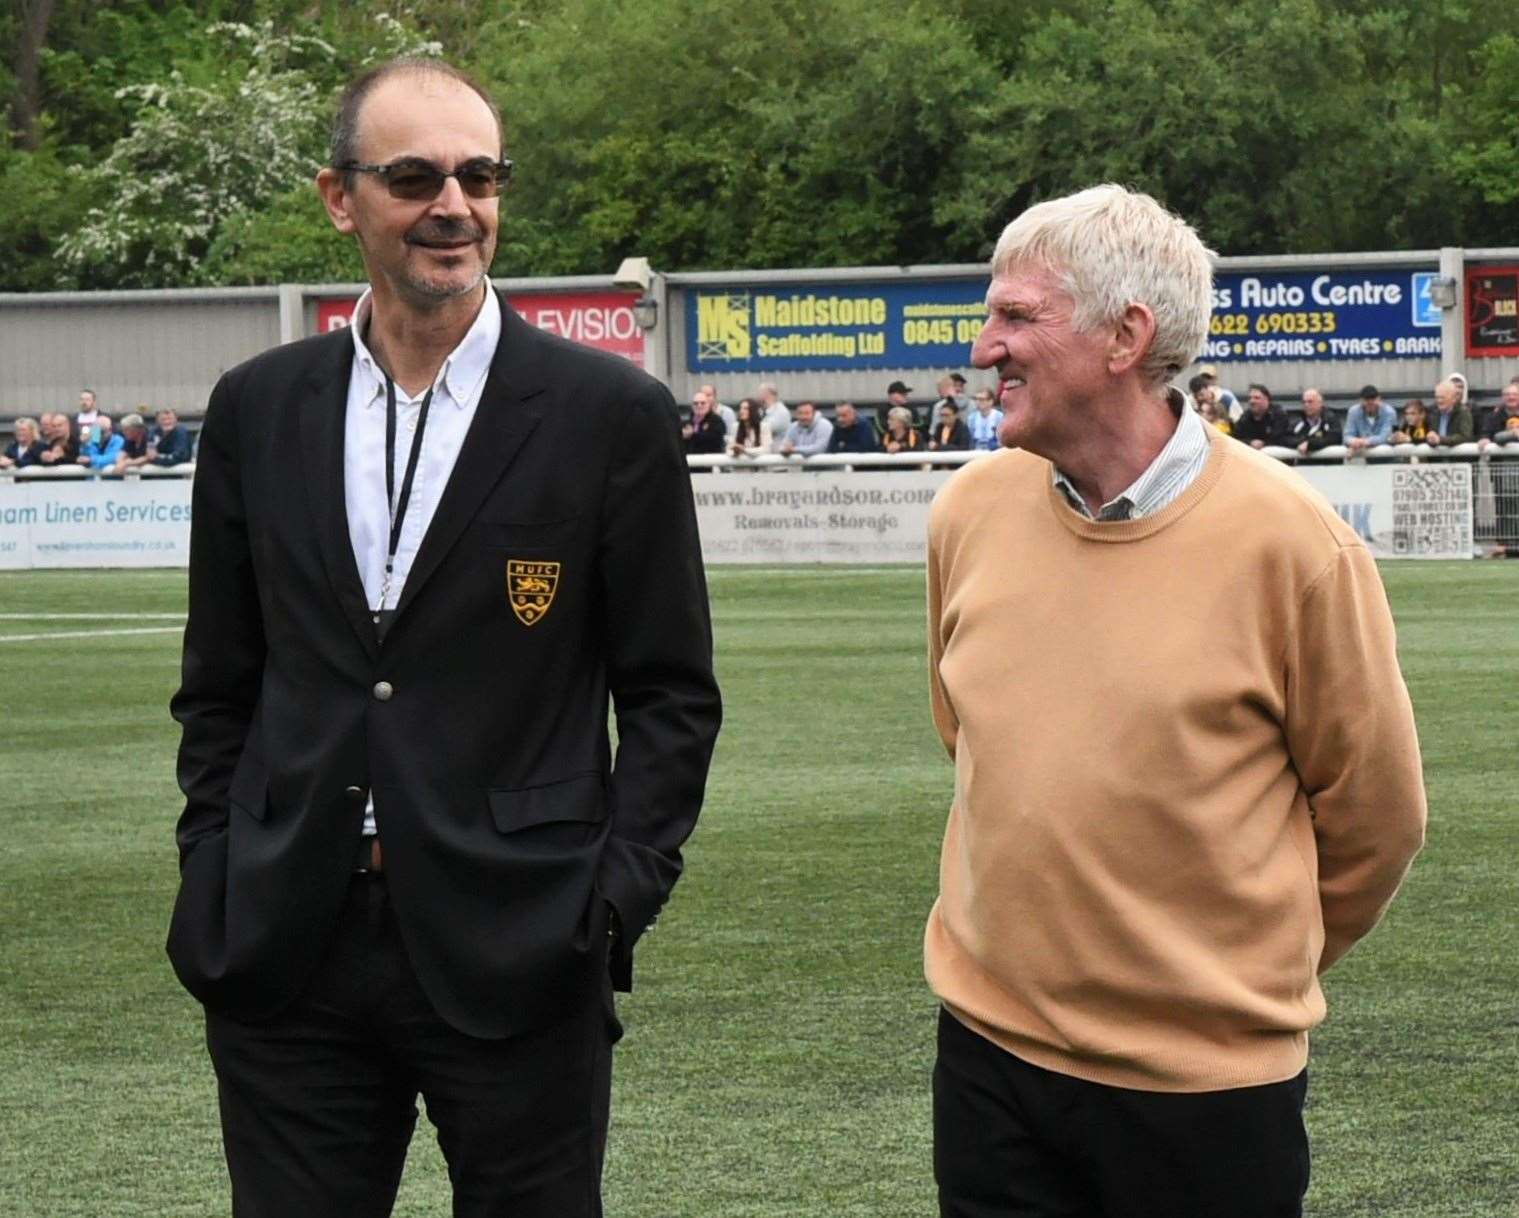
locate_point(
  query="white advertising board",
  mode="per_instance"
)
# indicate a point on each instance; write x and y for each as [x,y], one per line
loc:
[109,523]
[858,516]
[881,516]
[1402,511]
[861,516]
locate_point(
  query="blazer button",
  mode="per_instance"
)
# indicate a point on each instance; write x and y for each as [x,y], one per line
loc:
[383,691]
[354,793]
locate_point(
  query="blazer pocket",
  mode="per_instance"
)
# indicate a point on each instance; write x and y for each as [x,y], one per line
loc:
[579,800]
[249,790]
[528,534]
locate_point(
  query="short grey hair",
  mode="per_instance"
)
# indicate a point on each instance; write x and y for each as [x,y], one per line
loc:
[900,414]
[344,149]
[1112,247]
[26,421]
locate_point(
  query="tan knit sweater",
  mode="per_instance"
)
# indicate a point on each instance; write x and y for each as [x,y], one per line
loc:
[1186,773]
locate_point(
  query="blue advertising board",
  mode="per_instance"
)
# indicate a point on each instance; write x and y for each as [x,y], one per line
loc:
[827,327]
[932,324]
[1316,316]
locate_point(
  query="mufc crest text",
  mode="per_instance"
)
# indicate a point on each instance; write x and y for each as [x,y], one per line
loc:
[530,587]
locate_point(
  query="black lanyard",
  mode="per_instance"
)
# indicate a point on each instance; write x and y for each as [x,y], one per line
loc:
[397,507]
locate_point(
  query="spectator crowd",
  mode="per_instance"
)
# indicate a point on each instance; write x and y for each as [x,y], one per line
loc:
[764,424]
[91,440]
[1446,421]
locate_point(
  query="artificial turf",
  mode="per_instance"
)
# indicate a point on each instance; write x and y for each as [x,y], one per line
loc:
[778,1046]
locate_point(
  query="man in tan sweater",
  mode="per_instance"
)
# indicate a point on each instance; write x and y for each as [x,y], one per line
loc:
[1161,834]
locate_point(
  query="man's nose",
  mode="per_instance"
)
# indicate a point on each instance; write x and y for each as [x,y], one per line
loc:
[987,349]
[451,200]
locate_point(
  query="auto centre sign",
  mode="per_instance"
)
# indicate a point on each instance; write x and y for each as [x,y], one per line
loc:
[1316,316]
[932,323]
[603,320]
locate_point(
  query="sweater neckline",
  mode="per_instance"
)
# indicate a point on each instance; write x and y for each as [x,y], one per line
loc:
[1145,526]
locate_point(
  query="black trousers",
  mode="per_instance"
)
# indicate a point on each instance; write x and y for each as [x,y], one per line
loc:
[318,1105]
[1013,1139]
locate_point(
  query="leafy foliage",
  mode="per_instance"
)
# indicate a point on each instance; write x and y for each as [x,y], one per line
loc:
[178,137]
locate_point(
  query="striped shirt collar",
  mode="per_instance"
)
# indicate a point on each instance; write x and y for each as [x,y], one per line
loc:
[1173,470]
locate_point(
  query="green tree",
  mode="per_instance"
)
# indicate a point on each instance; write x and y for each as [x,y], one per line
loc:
[703,133]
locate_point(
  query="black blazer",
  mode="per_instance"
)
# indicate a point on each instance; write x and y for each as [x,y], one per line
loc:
[707,434]
[561,568]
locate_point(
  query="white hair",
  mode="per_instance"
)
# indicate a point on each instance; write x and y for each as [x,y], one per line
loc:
[1112,247]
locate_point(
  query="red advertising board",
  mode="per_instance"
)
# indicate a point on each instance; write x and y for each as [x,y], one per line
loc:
[1492,310]
[603,320]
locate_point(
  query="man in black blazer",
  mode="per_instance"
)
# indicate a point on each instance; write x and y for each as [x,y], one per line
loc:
[426,554]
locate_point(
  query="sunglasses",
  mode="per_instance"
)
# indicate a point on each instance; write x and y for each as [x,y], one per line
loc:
[414,179]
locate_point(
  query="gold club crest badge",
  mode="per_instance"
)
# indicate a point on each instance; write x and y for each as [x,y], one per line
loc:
[530,588]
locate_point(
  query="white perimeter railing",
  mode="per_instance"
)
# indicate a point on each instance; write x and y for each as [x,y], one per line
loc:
[774,462]
[78,473]
[1335,454]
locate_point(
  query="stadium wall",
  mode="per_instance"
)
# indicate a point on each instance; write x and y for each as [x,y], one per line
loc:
[167,348]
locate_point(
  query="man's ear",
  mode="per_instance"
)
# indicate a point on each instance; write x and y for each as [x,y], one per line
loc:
[1132,338]
[336,198]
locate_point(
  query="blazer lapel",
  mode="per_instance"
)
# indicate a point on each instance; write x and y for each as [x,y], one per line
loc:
[323,412]
[501,425]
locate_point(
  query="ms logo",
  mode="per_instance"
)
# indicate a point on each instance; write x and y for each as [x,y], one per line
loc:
[722,326]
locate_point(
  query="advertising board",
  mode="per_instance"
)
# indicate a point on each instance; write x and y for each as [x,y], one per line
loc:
[603,320]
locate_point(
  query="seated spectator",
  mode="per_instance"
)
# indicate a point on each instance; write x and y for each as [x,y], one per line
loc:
[59,444]
[1229,405]
[896,395]
[100,450]
[1415,424]
[949,434]
[1502,423]
[1212,413]
[1370,421]
[851,433]
[88,412]
[25,449]
[751,433]
[134,443]
[1263,422]
[949,391]
[984,421]
[777,413]
[169,443]
[1205,401]
[1462,386]
[1316,429]
[808,434]
[725,413]
[1452,422]
[704,434]
[901,436]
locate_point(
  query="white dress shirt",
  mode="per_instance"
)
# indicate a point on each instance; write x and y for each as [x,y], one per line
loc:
[456,394]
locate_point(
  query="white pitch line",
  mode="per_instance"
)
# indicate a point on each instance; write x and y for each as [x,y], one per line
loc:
[89,617]
[88,634]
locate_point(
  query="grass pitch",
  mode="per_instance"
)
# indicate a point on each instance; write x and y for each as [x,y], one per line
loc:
[779,1045]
